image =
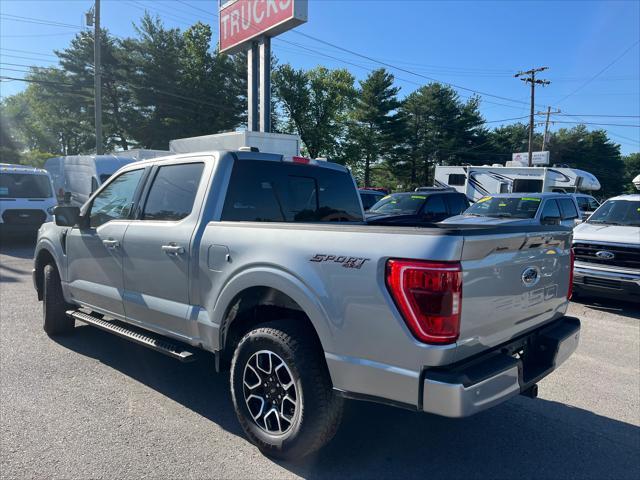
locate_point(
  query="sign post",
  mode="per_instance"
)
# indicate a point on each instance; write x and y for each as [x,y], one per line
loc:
[248,25]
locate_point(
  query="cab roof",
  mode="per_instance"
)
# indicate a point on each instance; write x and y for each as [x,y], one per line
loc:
[245,155]
[24,169]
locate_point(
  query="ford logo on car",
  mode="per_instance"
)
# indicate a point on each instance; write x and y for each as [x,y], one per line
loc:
[605,255]
[530,276]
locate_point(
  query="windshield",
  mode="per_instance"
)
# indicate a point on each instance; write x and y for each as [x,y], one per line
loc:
[617,212]
[399,205]
[24,185]
[587,204]
[501,207]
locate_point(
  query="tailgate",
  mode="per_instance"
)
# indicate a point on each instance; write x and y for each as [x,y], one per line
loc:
[512,283]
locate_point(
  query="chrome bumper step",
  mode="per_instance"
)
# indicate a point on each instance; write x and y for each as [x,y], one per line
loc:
[149,340]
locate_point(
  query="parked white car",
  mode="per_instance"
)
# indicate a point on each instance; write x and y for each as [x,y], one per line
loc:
[27,199]
[607,250]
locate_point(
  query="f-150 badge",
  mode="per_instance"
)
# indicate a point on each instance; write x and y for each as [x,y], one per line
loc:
[346,262]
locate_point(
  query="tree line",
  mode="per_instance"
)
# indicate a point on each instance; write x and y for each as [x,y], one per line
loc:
[166,83]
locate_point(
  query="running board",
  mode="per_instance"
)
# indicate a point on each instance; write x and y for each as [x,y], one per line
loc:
[149,340]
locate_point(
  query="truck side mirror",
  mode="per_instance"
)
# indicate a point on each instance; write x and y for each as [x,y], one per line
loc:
[66,216]
[549,220]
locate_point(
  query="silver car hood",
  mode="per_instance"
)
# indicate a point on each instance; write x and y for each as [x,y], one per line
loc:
[591,232]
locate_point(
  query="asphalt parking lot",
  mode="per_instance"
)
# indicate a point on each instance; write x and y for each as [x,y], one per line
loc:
[92,405]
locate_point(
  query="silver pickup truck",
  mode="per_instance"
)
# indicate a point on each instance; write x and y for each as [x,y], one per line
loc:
[267,263]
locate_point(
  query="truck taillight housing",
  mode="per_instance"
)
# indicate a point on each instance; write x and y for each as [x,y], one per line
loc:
[571,262]
[429,297]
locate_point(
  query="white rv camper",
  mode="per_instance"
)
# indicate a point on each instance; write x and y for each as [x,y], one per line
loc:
[477,181]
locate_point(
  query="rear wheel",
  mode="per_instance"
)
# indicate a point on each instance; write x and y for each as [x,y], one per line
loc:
[54,308]
[282,392]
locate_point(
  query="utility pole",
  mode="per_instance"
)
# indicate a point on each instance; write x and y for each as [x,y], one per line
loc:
[531,78]
[546,125]
[97,69]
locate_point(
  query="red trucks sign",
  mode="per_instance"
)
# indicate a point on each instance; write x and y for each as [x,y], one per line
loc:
[244,20]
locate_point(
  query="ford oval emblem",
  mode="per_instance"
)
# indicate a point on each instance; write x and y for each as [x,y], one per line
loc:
[530,276]
[605,255]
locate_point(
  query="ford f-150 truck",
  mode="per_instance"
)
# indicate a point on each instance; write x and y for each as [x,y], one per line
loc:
[607,250]
[267,262]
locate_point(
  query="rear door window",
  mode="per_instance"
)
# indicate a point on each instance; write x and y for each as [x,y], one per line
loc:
[457,204]
[550,209]
[568,208]
[262,191]
[435,209]
[173,192]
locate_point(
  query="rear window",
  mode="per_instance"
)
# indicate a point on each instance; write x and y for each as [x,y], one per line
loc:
[526,185]
[261,191]
[501,207]
[24,185]
[457,179]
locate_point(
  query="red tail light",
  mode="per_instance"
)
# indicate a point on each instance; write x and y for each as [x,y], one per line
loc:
[572,261]
[429,297]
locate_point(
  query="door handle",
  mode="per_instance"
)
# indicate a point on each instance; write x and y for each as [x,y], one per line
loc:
[173,249]
[112,244]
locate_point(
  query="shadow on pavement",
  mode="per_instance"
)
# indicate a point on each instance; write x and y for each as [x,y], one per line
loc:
[520,439]
[17,246]
[618,307]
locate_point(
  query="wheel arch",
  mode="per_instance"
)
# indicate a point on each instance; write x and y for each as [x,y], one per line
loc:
[259,296]
[43,257]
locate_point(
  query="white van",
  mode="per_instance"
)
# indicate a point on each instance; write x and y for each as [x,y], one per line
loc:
[76,177]
[27,199]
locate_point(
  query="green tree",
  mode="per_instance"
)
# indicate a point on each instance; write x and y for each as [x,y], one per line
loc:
[316,104]
[631,171]
[440,129]
[119,113]
[591,151]
[375,126]
[49,116]
[509,139]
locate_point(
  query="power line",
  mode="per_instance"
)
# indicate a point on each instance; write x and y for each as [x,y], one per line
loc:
[395,67]
[597,115]
[39,35]
[599,73]
[17,18]
[28,52]
[27,58]
[602,124]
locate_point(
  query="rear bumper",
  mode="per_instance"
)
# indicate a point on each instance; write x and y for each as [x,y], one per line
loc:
[493,377]
[606,281]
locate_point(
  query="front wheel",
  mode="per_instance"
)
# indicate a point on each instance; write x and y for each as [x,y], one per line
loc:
[56,321]
[282,392]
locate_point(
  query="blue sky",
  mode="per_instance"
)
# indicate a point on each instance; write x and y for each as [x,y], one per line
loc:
[478,45]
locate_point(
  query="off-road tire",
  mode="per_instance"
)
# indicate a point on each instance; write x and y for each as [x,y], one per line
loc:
[320,408]
[55,320]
